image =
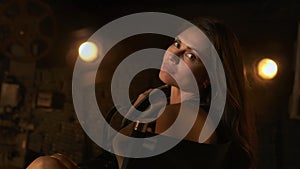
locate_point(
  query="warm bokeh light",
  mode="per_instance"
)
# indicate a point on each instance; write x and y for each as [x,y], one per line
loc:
[88,51]
[267,68]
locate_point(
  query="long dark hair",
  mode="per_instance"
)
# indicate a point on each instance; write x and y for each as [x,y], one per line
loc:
[236,123]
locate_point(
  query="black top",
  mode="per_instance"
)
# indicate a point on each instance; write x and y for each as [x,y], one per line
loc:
[185,155]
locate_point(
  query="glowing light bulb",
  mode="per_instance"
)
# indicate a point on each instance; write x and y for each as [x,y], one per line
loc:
[267,68]
[88,51]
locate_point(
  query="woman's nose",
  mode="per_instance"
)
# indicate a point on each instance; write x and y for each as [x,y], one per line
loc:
[173,59]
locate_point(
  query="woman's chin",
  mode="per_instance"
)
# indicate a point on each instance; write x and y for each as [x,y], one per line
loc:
[167,79]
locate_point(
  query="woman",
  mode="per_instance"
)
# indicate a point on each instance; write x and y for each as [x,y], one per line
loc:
[234,126]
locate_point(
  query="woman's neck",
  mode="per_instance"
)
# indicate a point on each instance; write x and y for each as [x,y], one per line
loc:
[175,97]
[169,116]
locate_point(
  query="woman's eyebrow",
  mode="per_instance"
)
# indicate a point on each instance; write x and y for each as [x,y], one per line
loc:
[177,39]
[191,48]
[194,50]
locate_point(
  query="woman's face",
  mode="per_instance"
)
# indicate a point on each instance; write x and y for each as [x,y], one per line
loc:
[178,57]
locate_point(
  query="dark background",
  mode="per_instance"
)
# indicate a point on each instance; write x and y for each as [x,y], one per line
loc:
[266,28]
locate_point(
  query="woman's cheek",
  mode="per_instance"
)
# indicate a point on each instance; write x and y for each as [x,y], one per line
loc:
[185,77]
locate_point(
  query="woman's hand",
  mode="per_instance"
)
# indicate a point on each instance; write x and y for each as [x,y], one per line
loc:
[141,97]
[55,161]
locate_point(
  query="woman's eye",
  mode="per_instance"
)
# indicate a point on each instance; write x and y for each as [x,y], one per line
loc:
[176,43]
[190,56]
